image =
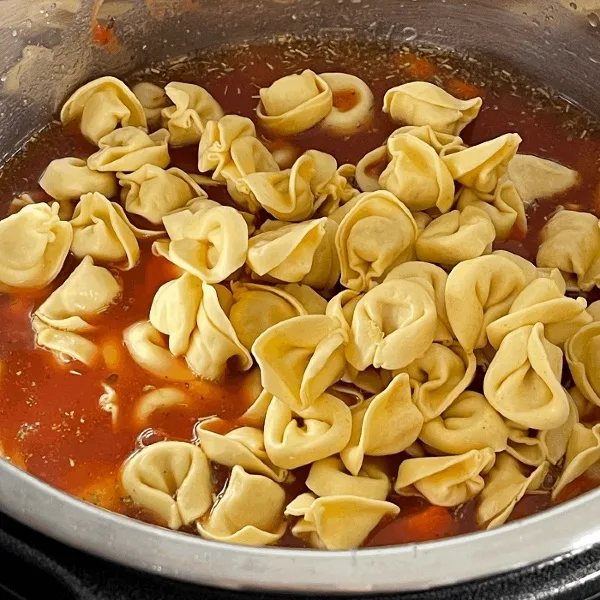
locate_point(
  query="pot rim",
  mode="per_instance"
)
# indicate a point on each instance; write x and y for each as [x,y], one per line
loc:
[189,558]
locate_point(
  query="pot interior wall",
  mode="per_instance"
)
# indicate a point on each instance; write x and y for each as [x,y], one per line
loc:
[49,48]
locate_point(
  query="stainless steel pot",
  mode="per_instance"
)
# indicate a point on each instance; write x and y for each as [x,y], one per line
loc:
[46,52]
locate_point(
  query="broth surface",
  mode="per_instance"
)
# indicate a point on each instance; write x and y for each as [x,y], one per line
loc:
[51,423]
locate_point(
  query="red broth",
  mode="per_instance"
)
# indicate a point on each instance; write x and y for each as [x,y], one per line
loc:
[51,423]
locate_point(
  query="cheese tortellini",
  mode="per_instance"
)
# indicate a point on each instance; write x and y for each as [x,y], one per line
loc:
[101,230]
[583,355]
[481,167]
[207,240]
[152,192]
[102,105]
[192,107]
[257,307]
[571,243]
[470,423]
[535,178]
[294,103]
[418,176]
[249,512]
[523,380]
[439,377]
[321,430]
[456,236]
[422,103]
[478,292]
[505,485]
[34,244]
[392,325]
[324,521]
[385,424]
[171,479]
[296,252]
[68,179]
[88,291]
[301,357]
[377,234]
[129,149]
[445,480]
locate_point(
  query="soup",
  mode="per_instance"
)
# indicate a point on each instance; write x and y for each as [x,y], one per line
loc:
[162,405]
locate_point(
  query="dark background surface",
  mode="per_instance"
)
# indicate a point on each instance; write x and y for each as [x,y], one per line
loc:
[66,574]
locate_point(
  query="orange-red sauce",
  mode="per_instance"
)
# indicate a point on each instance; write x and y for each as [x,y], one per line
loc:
[50,420]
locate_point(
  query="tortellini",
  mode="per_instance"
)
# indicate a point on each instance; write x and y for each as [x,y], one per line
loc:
[571,243]
[481,167]
[89,290]
[296,252]
[478,292]
[194,315]
[300,358]
[171,479]
[583,451]
[257,307]
[215,151]
[456,236]
[422,103]
[505,485]
[433,279]
[68,179]
[103,105]
[523,380]
[445,480]
[417,176]
[385,424]
[536,178]
[66,345]
[582,352]
[319,431]
[129,149]
[295,194]
[243,446]
[207,240]
[192,107]
[34,244]
[439,377]
[392,325]
[377,234]
[469,423]
[152,192]
[324,521]
[174,310]
[353,103]
[229,148]
[294,103]
[102,231]
[248,512]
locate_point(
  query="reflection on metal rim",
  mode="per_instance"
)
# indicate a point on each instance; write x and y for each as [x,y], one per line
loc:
[563,530]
